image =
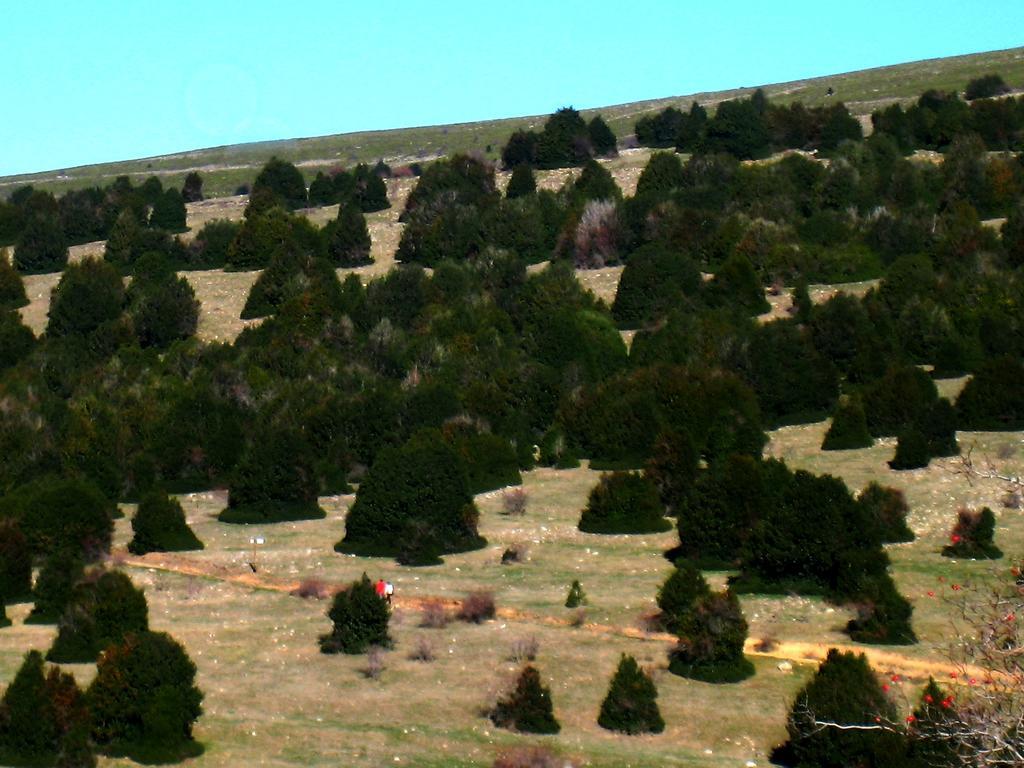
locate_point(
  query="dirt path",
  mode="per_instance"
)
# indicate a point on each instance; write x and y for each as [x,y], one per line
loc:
[797,652]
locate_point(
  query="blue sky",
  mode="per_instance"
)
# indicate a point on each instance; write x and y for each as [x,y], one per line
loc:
[99,81]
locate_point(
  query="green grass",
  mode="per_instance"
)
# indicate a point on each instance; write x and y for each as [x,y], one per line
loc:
[225,168]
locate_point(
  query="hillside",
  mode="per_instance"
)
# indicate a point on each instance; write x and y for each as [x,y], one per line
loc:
[225,168]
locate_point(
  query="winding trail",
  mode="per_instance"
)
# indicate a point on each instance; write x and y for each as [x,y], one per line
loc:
[797,652]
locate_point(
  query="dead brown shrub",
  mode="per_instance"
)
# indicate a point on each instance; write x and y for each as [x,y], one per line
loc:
[422,650]
[513,502]
[477,607]
[531,757]
[311,588]
[524,649]
[434,615]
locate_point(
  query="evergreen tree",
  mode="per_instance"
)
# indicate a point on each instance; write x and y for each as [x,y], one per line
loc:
[414,503]
[162,306]
[985,87]
[802,304]
[888,508]
[4,620]
[933,717]
[16,339]
[369,190]
[662,175]
[845,691]
[993,399]
[169,212]
[564,141]
[911,450]
[938,425]
[209,249]
[360,619]
[102,611]
[624,502]
[527,708]
[347,238]
[29,731]
[144,700]
[883,615]
[121,242]
[321,191]
[56,514]
[159,526]
[681,590]
[849,428]
[736,286]
[711,639]
[631,704]
[12,287]
[282,180]
[274,481]
[601,137]
[577,597]
[673,467]
[192,188]
[595,182]
[15,563]
[972,536]
[89,294]
[522,182]
[61,571]
[42,246]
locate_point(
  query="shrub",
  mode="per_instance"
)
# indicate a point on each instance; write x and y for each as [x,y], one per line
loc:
[711,638]
[311,588]
[159,526]
[89,294]
[993,399]
[624,502]
[898,400]
[517,552]
[12,287]
[169,212]
[849,428]
[631,703]
[144,700]
[260,237]
[274,481]
[422,650]
[360,620]
[526,708]
[883,615]
[374,663]
[15,563]
[531,757]
[985,87]
[457,180]
[521,182]
[972,535]
[413,503]
[347,238]
[282,180]
[655,281]
[42,246]
[102,612]
[888,508]
[595,182]
[477,607]
[845,691]
[736,286]
[662,174]
[513,502]
[489,459]
[598,236]
[576,597]
[434,615]
[524,649]
[911,450]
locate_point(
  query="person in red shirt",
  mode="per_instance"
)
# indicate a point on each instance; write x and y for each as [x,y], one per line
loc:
[380,588]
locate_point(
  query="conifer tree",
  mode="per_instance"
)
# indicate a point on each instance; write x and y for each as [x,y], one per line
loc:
[521,183]
[802,304]
[972,536]
[12,287]
[711,639]
[124,234]
[576,597]
[159,526]
[934,716]
[321,190]
[144,701]
[42,246]
[16,339]
[169,212]
[883,614]
[28,722]
[102,611]
[677,595]
[347,238]
[15,563]
[911,450]
[60,572]
[624,502]
[89,294]
[192,188]
[631,704]
[601,137]
[844,691]
[888,508]
[849,428]
[527,707]
[360,618]
[284,181]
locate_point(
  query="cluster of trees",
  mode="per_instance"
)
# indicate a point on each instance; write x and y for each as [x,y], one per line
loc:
[565,140]
[280,183]
[41,226]
[750,128]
